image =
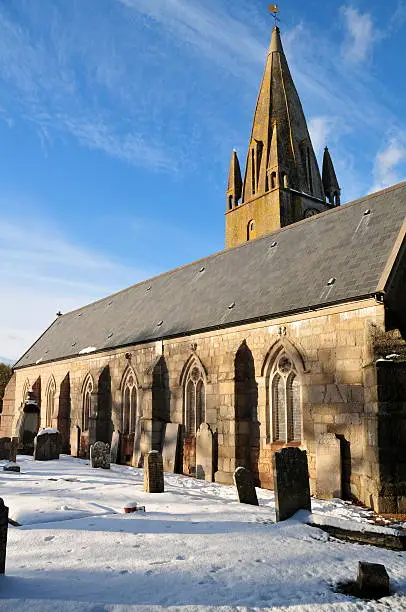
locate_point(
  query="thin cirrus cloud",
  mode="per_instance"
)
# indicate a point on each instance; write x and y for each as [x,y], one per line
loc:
[360,36]
[42,273]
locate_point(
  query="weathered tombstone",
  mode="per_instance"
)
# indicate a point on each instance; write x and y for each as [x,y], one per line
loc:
[75,441]
[3,535]
[100,456]
[373,580]
[13,450]
[328,467]
[204,453]
[244,481]
[291,482]
[171,447]
[115,447]
[5,444]
[153,473]
[47,445]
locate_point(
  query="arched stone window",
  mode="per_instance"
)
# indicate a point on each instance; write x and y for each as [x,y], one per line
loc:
[251,230]
[273,180]
[50,402]
[129,404]
[195,399]
[87,402]
[285,403]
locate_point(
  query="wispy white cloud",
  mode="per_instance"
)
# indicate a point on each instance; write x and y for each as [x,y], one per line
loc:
[43,272]
[323,131]
[360,35]
[390,163]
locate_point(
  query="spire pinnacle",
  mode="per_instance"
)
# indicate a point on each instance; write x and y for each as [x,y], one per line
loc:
[330,182]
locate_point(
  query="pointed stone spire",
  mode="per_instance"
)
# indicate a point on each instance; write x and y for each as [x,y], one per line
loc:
[330,183]
[282,181]
[234,186]
[278,101]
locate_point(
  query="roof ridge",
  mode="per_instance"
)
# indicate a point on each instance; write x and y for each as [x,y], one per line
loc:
[291,226]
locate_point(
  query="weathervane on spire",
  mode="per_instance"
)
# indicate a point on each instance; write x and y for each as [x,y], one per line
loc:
[274,9]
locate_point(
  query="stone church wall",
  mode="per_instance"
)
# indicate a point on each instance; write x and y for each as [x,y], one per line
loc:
[333,356]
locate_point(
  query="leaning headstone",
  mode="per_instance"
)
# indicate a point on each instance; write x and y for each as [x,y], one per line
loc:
[5,444]
[115,447]
[100,456]
[13,450]
[153,473]
[75,441]
[291,482]
[204,453]
[328,467]
[3,535]
[171,447]
[373,580]
[47,445]
[244,481]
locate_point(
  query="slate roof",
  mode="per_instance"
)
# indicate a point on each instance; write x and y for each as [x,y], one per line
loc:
[284,272]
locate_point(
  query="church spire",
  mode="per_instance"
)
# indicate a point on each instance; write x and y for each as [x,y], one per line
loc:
[234,186]
[330,183]
[282,181]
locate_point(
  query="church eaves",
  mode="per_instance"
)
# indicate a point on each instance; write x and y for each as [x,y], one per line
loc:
[289,271]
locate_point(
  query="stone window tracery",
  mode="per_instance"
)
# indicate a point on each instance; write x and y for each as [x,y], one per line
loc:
[286,416]
[129,405]
[87,404]
[195,400]
[50,403]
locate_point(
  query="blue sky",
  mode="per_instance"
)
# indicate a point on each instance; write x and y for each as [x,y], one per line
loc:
[118,118]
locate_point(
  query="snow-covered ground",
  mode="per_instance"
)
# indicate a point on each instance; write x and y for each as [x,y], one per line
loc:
[195,548]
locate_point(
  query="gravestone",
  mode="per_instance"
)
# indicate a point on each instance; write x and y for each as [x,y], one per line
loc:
[115,447]
[291,482]
[47,445]
[5,444]
[244,481]
[3,535]
[328,467]
[171,447]
[11,467]
[100,456]
[153,473]
[13,450]
[75,441]
[373,580]
[204,453]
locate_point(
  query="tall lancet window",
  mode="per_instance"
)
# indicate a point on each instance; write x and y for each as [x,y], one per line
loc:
[195,400]
[286,414]
[129,405]
[87,403]
[50,402]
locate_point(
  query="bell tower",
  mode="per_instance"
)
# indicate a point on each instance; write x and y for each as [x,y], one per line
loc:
[282,182]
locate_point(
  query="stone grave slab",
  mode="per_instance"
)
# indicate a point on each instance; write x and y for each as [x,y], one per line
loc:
[75,441]
[3,535]
[291,482]
[204,453]
[244,481]
[153,473]
[5,444]
[11,467]
[328,467]
[373,580]
[47,445]
[100,456]
[115,447]
[13,450]
[171,447]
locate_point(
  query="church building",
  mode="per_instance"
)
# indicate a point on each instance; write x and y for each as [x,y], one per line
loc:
[294,335]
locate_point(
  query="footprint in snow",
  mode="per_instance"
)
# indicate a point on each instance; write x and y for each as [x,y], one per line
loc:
[215,569]
[180,558]
[49,538]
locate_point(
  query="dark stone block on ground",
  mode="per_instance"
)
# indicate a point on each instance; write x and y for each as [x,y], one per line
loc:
[3,535]
[47,445]
[11,467]
[291,482]
[154,473]
[100,456]
[244,481]
[13,450]
[373,580]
